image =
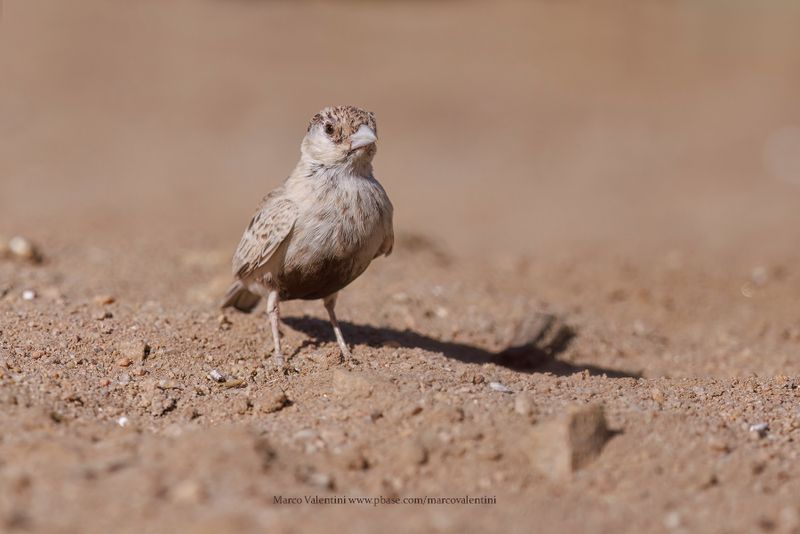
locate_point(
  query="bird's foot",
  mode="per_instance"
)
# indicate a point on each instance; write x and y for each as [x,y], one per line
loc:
[278,360]
[346,356]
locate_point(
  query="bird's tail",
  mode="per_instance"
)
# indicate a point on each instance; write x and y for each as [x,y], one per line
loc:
[240,298]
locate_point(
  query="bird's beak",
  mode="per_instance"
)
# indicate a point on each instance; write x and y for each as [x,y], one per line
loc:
[364,136]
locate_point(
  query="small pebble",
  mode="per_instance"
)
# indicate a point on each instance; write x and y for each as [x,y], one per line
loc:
[23,249]
[216,376]
[759,430]
[28,294]
[235,383]
[123,421]
[103,300]
[272,401]
[498,386]
[124,362]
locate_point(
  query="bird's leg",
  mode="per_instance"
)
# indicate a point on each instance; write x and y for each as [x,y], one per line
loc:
[330,304]
[273,312]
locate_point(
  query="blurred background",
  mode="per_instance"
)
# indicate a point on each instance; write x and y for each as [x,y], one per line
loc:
[505,127]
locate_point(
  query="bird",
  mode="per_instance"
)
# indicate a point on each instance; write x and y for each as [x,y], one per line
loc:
[321,228]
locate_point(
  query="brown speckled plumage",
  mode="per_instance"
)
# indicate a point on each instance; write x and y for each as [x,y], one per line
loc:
[320,230]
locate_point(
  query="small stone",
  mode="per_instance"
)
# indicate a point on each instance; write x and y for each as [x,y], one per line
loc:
[234,383]
[28,294]
[103,300]
[272,401]
[759,430]
[133,349]
[657,395]
[524,405]
[321,480]
[162,406]
[500,387]
[123,421]
[101,314]
[559,447]
[124,362]
[24,249]
[224,322]
[216,376]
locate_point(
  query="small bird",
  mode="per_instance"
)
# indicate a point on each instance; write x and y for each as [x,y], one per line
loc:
[321,228]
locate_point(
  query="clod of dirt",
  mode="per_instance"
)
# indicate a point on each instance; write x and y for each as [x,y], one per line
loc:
[133,350]
[271,401]
[347,384]
[559,447]
[242,405]
[124,362]
[524,405]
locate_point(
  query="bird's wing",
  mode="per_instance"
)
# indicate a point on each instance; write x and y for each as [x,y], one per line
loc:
[269,227]
[388,239]
[387,245]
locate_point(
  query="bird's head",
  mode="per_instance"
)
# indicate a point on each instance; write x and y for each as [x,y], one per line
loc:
[341,136]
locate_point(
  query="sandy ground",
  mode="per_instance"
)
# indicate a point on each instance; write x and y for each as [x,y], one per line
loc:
[630,169]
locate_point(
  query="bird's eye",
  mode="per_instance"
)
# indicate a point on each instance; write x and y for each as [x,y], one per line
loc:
[329,129]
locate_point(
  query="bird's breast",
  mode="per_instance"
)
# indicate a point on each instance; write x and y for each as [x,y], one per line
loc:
[336,235]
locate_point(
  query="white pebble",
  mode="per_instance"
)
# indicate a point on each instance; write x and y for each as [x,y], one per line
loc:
[216,376]
[123,421]
[502,388]
[759,429]
[28,294]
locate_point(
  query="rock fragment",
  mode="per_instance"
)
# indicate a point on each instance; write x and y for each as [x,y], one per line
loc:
[133,350]
[560,447]
[272,401]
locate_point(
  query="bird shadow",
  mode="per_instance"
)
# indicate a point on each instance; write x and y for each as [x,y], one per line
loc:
[523,358]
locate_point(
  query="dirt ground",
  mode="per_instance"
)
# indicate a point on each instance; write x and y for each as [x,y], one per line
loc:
[631,169]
